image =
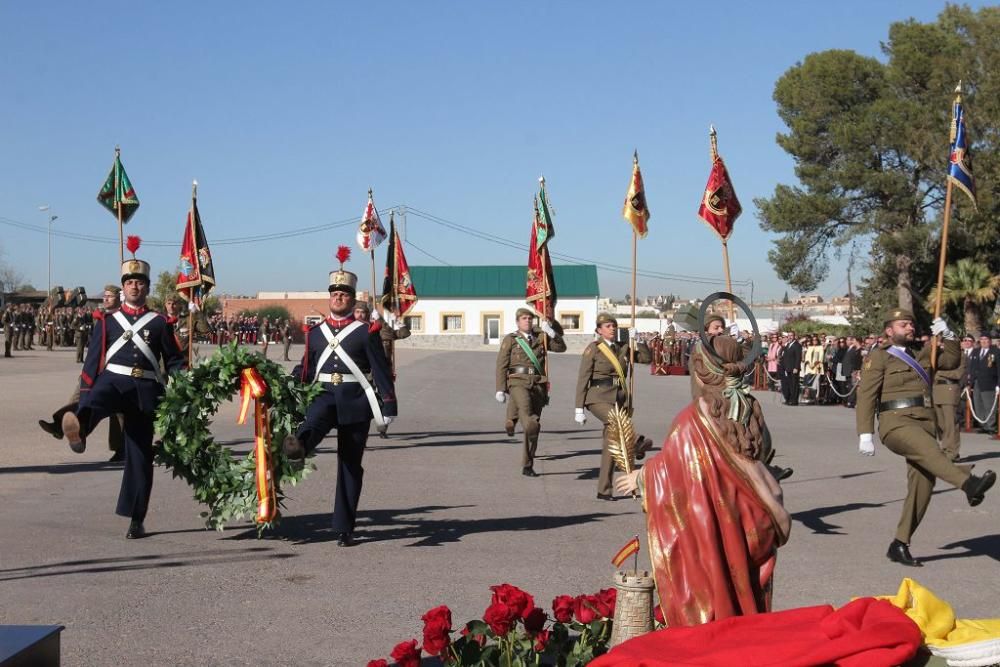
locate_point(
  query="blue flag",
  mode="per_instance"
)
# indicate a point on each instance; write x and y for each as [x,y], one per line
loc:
[960,167]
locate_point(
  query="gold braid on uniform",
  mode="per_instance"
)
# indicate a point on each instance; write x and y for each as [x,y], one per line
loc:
[734,411]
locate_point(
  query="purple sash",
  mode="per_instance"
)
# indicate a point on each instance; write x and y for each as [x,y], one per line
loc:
[911,362]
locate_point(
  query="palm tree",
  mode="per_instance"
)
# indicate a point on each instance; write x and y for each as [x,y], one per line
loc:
[969,284]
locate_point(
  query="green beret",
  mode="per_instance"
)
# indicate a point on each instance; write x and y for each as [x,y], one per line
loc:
[604,318]
[897,314]
[111,287]
[524,311]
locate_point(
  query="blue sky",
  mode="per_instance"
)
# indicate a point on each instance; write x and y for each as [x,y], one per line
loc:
[286,113]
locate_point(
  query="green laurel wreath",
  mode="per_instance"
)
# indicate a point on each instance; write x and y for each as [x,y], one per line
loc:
[226,484]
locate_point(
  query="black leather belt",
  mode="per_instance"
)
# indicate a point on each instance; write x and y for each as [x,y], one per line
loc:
[944,381]
[604,382]
[523,370]
[903,403]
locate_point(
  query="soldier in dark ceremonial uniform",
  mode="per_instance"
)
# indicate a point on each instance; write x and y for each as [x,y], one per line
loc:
[121,374]
[521,376]
[340,352]
[896,382]
[601,384]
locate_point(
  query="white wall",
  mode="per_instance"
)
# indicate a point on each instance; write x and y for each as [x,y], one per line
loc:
[473,309]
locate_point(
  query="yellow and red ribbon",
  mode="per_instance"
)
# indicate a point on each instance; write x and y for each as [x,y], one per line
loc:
[252,386]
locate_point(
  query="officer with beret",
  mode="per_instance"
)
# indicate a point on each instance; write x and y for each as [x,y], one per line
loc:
[122,375]
[341,353]
[601,384]
[520,375]
[896,382]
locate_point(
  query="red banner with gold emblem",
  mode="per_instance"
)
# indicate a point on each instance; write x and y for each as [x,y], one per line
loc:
[719,205]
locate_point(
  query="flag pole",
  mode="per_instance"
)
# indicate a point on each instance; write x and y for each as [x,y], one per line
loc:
[194,236]
[635,326]
[944,248]
[713,140]
[371,297]
[635,561]
[118,208]
[941,264]
[545,286]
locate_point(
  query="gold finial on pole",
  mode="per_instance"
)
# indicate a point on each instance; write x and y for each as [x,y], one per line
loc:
[194,189]
[635,156]
[713,139]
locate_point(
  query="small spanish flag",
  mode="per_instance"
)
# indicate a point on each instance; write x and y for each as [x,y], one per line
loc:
[631,548]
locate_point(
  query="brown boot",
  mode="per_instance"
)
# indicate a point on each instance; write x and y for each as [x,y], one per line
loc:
[508,427]
[294,451]
[71,429]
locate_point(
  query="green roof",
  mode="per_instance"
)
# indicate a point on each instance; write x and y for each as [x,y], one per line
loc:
[572,280]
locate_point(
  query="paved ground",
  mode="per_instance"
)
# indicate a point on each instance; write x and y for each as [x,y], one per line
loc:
[445,514]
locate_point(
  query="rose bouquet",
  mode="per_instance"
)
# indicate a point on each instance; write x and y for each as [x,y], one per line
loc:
[513,632]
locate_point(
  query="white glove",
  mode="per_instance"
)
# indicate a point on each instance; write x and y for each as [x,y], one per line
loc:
[501,397]
[865,444]
[547,328]
[387,419]
[734,330]
[375,316]
[940,328]
[579,417]
[996,390]
[396,324]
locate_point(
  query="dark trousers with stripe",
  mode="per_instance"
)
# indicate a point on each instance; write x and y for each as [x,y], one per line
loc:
[136,400]
[321,418]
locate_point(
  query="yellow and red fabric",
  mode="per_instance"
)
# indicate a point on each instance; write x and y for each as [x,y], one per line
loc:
[631,548]
[253,387]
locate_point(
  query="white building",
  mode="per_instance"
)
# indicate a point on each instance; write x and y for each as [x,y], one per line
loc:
[472,306]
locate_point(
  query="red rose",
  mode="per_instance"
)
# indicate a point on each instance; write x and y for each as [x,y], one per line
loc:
[406,654]
[513,597]
[437,625]
[583,608]
[608,597]
[541,639]
[658,615]
[534,621]
[378,663]
[500,618]
[562,607]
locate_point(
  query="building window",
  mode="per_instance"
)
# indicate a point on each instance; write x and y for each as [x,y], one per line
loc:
[452,322]
[415,323]
[571,321]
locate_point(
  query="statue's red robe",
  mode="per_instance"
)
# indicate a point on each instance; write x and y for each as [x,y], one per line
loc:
[715,521]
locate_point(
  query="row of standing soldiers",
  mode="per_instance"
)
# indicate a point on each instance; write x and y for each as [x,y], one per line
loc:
[63,326]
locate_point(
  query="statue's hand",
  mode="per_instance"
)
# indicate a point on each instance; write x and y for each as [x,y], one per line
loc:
[628,483]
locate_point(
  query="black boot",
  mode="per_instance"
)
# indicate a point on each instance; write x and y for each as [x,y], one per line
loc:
[136,531]
[976,487]
[51,428]
[899,552]
[529,471]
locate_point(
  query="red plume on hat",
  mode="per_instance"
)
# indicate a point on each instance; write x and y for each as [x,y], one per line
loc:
[343,254]
[133,243]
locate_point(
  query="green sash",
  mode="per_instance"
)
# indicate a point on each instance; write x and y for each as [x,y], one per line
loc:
[528,351]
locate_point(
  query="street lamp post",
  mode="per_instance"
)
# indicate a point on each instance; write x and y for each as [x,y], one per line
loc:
[52,218]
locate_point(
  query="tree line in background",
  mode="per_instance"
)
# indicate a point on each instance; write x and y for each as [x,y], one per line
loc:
[870,140]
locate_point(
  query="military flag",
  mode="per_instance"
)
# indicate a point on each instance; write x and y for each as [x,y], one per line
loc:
[196,277]
[546,230]
[719,205]
[117,192]
[960,159]
[635,210]
[541,285]
[371,233]
[398,292]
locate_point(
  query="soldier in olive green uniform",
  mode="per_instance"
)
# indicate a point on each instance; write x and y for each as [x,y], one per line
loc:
[947,395]
[601,385]
[286,337]
[7,319]
[896,386]
[521,375]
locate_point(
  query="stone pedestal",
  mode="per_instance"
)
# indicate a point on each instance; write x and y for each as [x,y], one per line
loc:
[633,606]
